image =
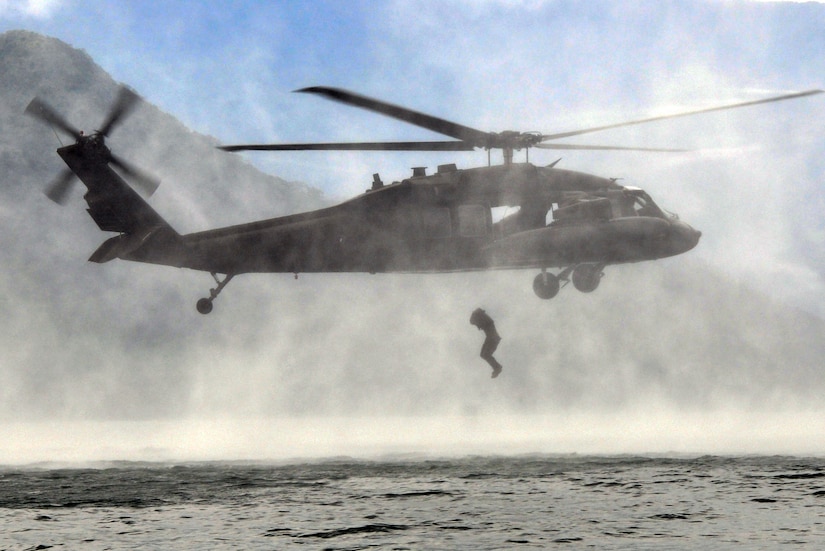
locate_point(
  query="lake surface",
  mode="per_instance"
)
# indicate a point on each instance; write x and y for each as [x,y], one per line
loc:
[525,502]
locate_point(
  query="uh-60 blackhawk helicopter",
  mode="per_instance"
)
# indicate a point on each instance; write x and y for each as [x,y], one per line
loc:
[441,222]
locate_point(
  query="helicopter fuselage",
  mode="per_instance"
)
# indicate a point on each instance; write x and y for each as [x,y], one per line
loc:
[445,222]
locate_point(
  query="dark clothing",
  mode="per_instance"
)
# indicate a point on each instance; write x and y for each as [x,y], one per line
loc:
[487,349]
[485,323]
[480,319]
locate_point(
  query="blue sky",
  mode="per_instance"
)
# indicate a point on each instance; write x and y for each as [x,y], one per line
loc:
[228,69]
[206,62]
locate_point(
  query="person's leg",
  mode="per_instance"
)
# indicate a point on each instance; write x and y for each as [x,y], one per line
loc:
[487,349]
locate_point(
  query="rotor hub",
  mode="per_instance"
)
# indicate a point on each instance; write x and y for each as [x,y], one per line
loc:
[511,139]
[94,146]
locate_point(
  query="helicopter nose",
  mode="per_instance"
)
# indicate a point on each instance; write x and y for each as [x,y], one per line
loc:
[685,236]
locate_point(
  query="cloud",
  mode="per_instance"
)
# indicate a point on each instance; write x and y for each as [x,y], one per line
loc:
[37,9]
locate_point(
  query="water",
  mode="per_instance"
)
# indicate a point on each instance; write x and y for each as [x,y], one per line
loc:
[525,502]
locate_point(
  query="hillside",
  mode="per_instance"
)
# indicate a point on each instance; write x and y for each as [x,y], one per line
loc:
[124,341]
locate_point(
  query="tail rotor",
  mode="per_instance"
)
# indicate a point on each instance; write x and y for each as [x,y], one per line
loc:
[58,190]
[124,105]
[42,111]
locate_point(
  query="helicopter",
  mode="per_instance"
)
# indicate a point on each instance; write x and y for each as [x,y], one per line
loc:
[442,222]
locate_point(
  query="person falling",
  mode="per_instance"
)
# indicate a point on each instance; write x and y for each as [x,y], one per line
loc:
[485,323]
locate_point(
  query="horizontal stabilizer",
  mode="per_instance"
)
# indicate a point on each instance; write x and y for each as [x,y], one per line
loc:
[107,251]
[158,245]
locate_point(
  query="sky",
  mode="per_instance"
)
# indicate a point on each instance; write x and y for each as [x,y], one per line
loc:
[753,186]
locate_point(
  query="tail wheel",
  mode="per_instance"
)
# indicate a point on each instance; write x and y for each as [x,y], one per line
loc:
[546,286]
[586,277]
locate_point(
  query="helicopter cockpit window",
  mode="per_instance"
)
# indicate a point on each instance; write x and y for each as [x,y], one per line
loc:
[436,222]
[643,205]
[634,202]
[472,220]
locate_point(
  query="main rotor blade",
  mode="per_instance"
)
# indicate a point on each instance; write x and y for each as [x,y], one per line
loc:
[606,148]
[125,103]
[685,114]
[442,126]
[39,109]
[58,190]
[362,146]
[146,183]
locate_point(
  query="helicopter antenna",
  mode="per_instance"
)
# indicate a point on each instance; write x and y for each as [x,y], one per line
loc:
[56,135]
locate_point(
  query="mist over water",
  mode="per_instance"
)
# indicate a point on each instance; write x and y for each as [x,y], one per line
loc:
[656,430]
[394,369]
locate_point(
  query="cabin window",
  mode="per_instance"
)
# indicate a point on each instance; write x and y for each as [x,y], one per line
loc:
[500,213]
[436,222]
[622,204]
[472,220]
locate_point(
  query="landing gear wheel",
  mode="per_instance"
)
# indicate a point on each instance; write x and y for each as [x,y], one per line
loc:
[204,306]
[586,277]
[546,286]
